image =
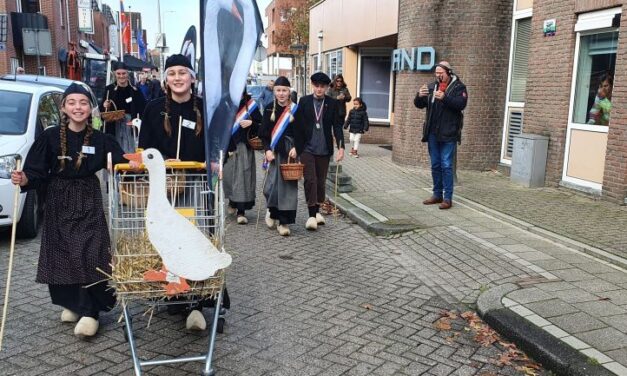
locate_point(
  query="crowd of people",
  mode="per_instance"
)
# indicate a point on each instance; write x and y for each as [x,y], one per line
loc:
[75,246]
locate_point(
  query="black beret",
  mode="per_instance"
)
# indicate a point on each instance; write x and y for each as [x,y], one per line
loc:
[320,78]
[178,59]
[119,65]
[76,88]
[282,81]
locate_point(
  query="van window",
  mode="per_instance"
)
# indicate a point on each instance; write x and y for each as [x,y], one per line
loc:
[47,113]
[14,108]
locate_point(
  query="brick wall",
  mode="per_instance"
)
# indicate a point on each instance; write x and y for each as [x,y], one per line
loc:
[475,40]
[8,6]
[615,175]
[375,135]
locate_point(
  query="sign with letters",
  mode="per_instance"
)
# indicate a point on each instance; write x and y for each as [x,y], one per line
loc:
[413,59]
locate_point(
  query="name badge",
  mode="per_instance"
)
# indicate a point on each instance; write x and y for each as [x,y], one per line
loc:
[89,150]
[129,99]
[189,124]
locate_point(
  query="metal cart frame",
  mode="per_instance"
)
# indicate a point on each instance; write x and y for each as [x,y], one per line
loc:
[126,216]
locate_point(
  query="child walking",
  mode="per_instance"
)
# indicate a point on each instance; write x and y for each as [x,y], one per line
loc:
[357,124]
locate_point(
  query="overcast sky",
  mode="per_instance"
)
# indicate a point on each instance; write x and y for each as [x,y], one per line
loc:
[176,17]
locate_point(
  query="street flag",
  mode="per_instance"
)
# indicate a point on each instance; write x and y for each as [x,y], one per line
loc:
[125,29]
[188,48]
[141,45]
[230,32]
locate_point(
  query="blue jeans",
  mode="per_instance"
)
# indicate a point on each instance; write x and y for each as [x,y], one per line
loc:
[441,154]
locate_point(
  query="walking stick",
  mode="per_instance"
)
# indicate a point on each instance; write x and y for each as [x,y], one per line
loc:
[337,170]
[265,176]
[178,153]
[16,198]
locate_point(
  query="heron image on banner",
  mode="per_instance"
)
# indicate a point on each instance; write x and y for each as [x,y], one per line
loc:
[230,32]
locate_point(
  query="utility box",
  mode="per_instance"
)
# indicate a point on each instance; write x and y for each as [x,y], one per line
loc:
[529,160]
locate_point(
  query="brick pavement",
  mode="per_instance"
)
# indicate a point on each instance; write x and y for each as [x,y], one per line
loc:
[464,251]
[335,302]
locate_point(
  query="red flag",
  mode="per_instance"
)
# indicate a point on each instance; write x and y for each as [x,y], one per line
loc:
[125,29]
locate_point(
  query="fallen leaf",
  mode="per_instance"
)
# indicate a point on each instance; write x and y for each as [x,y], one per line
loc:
[443,324]
[367,306]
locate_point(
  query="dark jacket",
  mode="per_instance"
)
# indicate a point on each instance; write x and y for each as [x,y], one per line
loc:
[357,121]
[334,93]
[127,98]
[444,117]
[243,134]
[266,97]
[306,119]
[286,142]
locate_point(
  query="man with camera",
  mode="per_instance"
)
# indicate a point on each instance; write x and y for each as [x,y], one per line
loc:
[445,100]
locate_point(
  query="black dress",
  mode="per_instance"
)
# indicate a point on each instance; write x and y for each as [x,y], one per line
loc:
[153,134]
[75,238]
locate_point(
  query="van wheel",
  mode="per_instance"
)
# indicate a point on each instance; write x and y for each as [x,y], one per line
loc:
[29,222]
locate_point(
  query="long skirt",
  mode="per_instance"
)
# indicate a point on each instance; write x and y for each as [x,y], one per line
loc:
[281,195]
[75,244]
[240,178]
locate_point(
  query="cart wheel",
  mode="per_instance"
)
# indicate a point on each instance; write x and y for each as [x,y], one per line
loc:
[220,328]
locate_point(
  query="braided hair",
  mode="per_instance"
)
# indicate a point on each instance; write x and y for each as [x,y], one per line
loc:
[65,121]
[167,127]
[273,116]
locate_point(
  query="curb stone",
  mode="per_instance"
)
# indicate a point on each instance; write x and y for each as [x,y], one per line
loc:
[542,346]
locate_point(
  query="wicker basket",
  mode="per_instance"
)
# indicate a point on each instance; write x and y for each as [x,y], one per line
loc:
[291,171]
[115,115]
[135,193]
[254,141]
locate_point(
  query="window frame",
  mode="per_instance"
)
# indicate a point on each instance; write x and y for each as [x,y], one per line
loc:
[377,52]
[516,16]
[589,30]
[338,55]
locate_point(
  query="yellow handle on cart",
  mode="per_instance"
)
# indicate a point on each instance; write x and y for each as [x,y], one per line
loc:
[183,165]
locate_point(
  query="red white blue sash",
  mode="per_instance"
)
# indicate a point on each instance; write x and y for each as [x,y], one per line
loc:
[244,113]
[281,124]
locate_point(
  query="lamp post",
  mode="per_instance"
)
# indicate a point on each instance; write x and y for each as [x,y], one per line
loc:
[319,65]
[302,47]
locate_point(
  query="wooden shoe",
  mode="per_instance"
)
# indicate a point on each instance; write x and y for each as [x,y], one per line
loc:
[231,210]
[320,219]
[311,224]
[242,220]
[432,200]
[283,230]
[195,321]
[446,204]
[68,316]
[86,327]
[269,221]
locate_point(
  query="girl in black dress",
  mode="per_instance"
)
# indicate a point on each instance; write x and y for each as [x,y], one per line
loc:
[75,238]
[160,130]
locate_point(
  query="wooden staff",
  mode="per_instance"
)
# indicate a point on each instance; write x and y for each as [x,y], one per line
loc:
[337,171]
[178,153]
[178,142]
[16,199]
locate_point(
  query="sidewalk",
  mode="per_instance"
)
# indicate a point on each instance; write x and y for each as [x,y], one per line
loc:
[545,266]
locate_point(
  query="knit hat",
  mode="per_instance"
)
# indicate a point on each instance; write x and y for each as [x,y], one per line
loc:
[282,81]
[320,78]
[446,66]
[76,88]
[119,65]
[179,60]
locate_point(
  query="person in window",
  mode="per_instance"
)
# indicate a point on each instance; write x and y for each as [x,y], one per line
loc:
[339,91]
[75,254]
[599,114]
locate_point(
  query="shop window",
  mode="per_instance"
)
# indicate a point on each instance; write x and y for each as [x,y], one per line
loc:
[595,78]
[375,83]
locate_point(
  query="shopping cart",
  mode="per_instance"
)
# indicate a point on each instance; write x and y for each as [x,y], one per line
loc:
[189,192]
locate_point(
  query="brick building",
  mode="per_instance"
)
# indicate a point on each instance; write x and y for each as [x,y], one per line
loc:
[521,78]
[60,18]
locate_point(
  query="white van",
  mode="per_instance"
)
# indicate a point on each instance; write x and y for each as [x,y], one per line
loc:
[26,109]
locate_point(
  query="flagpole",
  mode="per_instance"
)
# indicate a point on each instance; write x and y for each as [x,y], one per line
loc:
[120,34]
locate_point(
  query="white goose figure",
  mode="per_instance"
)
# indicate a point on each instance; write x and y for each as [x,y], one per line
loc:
[186,252]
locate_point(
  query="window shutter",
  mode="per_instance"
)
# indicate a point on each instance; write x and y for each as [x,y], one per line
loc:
[521,60]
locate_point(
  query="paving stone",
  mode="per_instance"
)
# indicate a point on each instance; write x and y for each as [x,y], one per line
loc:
[604,339]
[601,308]
[619,322]
[529,295]
[619,355]
[551,308]
[577,322]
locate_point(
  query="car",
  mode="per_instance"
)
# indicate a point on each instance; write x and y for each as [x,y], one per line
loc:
[26,109]
[255,90]
[59,82]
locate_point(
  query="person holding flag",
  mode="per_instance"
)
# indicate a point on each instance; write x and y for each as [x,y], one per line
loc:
[239,169]
[277,131]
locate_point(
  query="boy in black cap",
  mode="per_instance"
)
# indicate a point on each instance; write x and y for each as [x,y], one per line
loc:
[318,117]
[121,95]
